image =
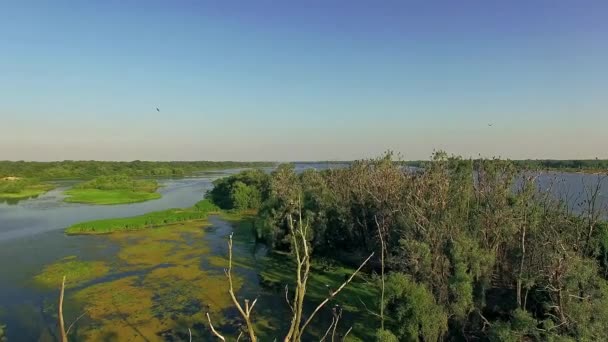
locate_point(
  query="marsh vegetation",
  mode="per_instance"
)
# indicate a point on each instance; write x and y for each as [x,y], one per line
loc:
[115,189]
[15,188]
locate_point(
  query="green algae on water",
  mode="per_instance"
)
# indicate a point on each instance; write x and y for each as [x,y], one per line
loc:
[168,294]
[76,272]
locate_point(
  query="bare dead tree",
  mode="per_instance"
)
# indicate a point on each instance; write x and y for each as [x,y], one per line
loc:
[302,253]
[382,255]
[62,333]
[246,312]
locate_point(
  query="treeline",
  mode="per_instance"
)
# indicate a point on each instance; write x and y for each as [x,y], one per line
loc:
[546,164]
[569,165]
[17,185]
[472,249]
[90,169]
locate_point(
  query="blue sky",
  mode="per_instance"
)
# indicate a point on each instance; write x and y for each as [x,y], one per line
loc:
[314,80]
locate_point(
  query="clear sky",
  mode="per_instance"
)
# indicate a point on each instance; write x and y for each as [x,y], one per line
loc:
[302,80]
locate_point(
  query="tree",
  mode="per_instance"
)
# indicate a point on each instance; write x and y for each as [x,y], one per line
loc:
[414,310]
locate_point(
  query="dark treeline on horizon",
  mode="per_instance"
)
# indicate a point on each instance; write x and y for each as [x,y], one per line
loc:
[137,168]
[544,164]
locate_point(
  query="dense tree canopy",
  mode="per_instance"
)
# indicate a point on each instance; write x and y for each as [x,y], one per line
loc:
[244,190]
[474,249]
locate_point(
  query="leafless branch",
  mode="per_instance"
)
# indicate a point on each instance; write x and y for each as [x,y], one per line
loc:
[213,329]
[62,333]
[333,320]
[346,334]
[245,313]
[383,253]
[367,309]
[287,297]
[334,293]
[74,322]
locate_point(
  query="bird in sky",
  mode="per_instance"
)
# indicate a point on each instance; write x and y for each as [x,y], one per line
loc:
[158,110]
[490,124]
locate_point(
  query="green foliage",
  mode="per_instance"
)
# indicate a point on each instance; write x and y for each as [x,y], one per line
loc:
[244,190]
[278,270]
[119,182]
[115,189]
[106,197]
[413,309]
[22,188]
[90,169]
[477,241]
[150,220]
[206,205]
[244,196]
[3,333]
[76,272]
[522,327]
[385,336]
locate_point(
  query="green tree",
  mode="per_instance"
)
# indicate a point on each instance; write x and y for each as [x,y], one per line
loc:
[413,309]
[244,196]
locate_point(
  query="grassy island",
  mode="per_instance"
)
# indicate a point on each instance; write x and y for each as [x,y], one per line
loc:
[118,189]
[22,188]
[153,219]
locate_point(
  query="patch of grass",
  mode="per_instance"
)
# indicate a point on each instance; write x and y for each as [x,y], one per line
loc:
[117,189]
[107,197]
[77,272]
[150,220]
[243,222]
[278,269]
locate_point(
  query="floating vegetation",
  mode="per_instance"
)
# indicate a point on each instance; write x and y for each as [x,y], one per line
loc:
[164,291]
[76,271]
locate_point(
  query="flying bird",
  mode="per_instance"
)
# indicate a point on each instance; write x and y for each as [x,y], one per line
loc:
[158,110]
[490,124]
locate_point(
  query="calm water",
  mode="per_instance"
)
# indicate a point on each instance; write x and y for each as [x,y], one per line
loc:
[31,236]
